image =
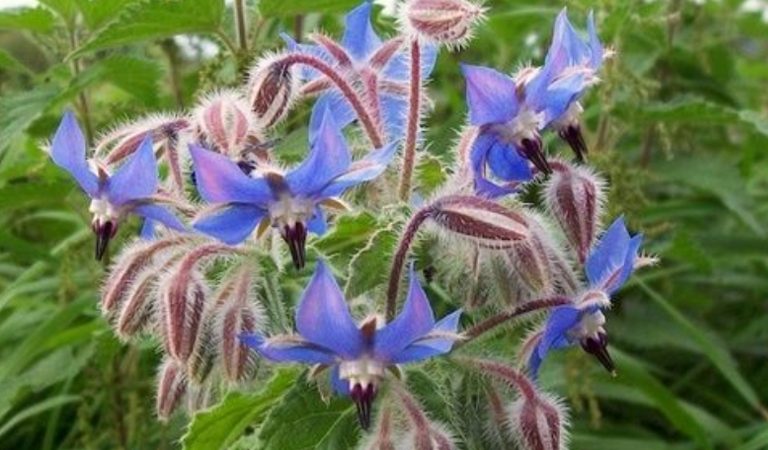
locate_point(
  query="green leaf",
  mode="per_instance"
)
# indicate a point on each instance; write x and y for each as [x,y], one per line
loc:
[98,12]
[709,347]
[223,424]
[156,19]
[10,63]
[302,421]
[273,8]
[350,233]
[37,20]
[429,174]
[370,266]
[36,409]
[21,109]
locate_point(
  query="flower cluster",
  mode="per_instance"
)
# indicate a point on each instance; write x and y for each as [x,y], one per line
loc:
[203,279]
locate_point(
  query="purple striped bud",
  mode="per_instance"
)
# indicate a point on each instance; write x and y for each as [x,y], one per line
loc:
[539,422]
[574,197]
[272,87]
[482,221]
[446,22]
[199,397]
[171,388]
[531,261]
[204,352]
[225,122]
[125,139]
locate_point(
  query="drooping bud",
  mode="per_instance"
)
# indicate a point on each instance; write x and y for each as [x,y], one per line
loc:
[204,351]
[126,138]
[225,122]
[171,388]
[538,422]
[199,397]
[272,88]
[445,22]
[480,220]
[574,197]
[530,260]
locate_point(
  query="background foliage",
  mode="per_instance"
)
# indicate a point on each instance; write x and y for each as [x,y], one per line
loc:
[678,125]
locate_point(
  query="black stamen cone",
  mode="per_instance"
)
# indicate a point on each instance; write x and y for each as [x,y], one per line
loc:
[598,347]
[104,233]
[532,150]
[296,238]
[363,398]
[573,136]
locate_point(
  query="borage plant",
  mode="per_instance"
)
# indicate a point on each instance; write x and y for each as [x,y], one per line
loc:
[210,282]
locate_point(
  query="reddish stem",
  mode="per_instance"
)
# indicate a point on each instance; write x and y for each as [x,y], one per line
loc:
[346,90]
[399,259]
[414,117]
[527,307]
[508,375]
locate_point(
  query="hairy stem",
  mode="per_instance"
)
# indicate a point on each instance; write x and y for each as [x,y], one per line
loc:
[412,125]
[513,378]
[398,261]
[494,321]
[346,89]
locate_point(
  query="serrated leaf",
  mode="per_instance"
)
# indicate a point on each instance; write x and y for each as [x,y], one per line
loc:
[21,109]
[350,233]
[429,174]
[274,8]
[370,266]
[98,12]
[224,424]
[302,421]
[38,20]
[156,19]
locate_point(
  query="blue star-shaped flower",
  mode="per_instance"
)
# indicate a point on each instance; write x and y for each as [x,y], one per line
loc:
[358,355]
[607,268]
[290,202]
[364,51]
[128,191]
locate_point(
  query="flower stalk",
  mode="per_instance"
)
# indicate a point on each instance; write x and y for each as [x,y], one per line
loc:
[413,122]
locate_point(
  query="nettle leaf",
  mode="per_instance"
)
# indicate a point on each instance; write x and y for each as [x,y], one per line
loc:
[223,424]
[21,109]
[350,233]
[429,174]
[38,20]
[98,12]
[302,421]
[273,8]
[153,20]
[369,268]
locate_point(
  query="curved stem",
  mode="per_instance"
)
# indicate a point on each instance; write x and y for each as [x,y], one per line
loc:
[399,258]
[346,90]
[412,125]
[494,321]
[513,378]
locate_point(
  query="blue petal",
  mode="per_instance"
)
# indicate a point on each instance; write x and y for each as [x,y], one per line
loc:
[399,67]
[608,255]
[491,95]
[328,157]
[317,224]
[231,224]
[560,322]
[135,179]
[414,321]
[339,386]
[302,353]
[596,47]
[627,268]
[156,213]
[507,164]
[394,112]
[561,94]
[147,231]
[362,170]
[219,180]
[429,347]
[68,152]
[359,37]
[479,158]
[323,317]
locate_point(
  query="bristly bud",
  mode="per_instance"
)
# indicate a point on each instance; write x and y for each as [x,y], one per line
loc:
[381,438]
[171,388]
[198,397]
[444,22]
[204,351]
[225,123]
[123,140]
[237,314]
[531,259]
[480,220]
[273,85]
[538,422]
[574,197]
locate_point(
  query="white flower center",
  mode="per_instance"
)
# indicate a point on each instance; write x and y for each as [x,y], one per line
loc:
[570,117]
[363,371]
[103,211]
[289,210]
[590,325]
[525,125]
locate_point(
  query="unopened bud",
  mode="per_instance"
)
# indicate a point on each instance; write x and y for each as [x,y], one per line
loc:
[225,122]
[483,221]
[446,22]
[531,260]
[125,139]
[171,387]
[272,88]
[204,352]
[574,197]
[538,422]
[182,305]
[198,397]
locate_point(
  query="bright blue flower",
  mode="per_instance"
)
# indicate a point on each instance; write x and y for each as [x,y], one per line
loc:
[362,44]
[607,268]
[290,202]
[358,356]
[128,191]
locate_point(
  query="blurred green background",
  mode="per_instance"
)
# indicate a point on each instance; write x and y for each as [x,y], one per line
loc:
[679,126]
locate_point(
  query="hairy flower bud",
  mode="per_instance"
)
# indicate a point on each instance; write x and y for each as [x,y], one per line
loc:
[198,397]
[483,221]
[204,351]
[272,87]
[224,121]
[538,422]
[123,140]
[446,22]
[530,260]
[574,197]
[171,388]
